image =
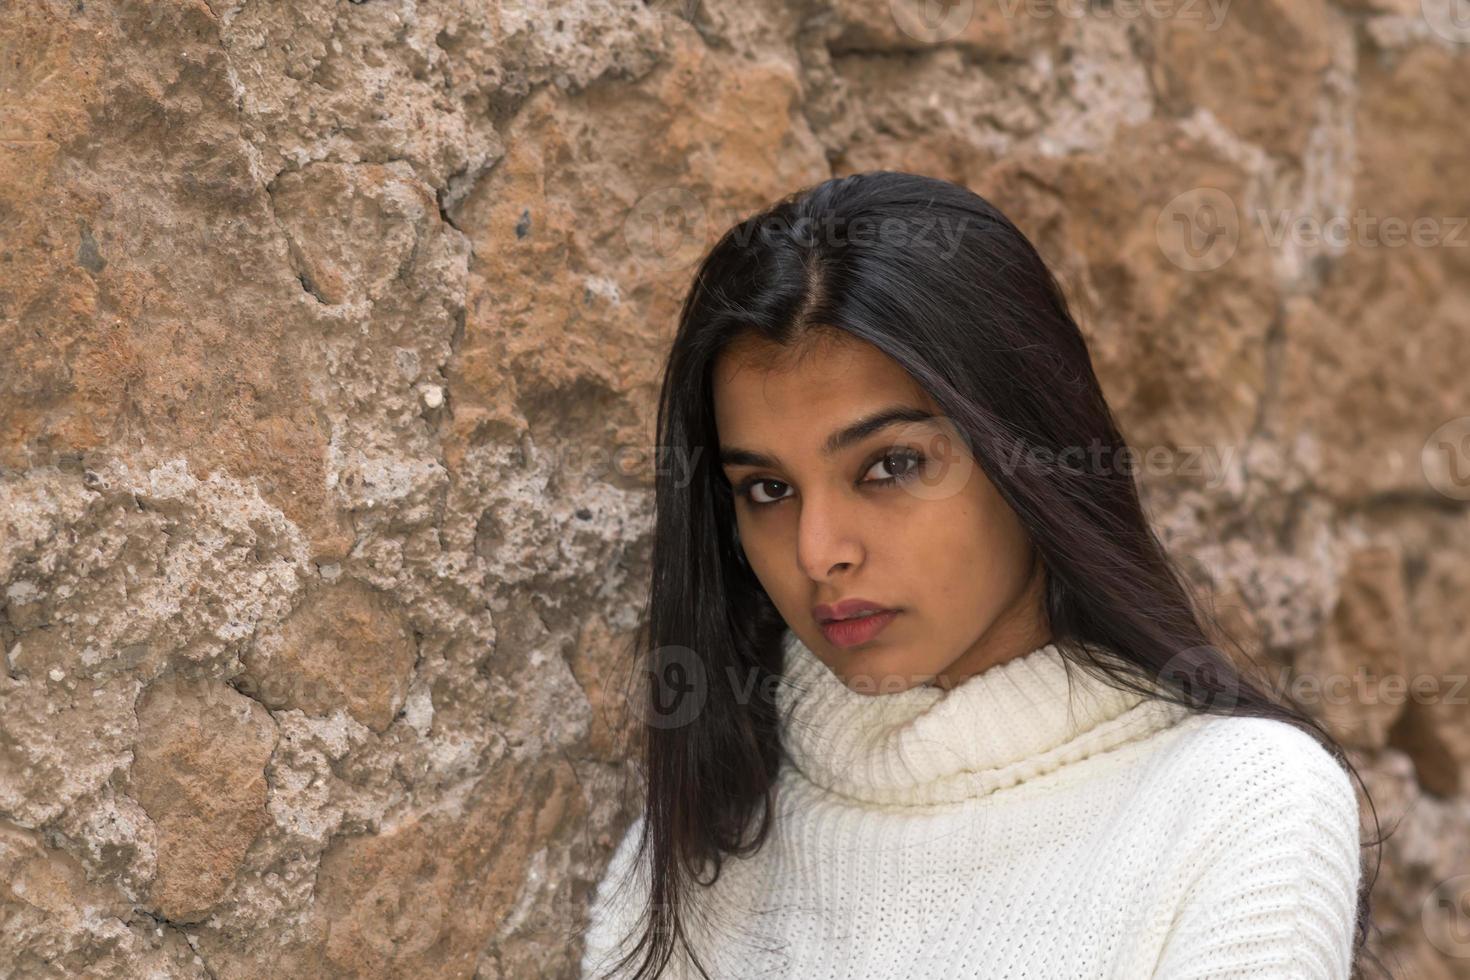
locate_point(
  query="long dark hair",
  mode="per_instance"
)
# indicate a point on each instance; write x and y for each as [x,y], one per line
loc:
[934,276]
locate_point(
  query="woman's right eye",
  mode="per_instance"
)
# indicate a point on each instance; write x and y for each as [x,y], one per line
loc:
[753,488]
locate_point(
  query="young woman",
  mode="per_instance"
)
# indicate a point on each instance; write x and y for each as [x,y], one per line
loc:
[927,697]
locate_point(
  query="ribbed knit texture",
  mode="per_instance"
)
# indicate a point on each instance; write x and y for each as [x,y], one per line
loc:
[1032,822]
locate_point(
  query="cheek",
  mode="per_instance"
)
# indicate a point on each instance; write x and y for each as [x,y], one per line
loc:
[924,553]
[767,548]
[965,547]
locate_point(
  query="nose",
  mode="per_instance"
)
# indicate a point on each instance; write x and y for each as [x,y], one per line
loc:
[829,536]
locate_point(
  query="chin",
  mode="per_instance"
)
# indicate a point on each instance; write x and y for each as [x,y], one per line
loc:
[877,671]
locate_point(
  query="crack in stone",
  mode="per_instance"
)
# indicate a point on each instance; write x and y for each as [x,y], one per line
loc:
[182,929]
[294,257]
[413,673]
[450,195]
[809,32]
[203,963]
[234,684]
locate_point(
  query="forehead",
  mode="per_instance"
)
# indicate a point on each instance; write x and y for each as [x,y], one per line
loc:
[764,392]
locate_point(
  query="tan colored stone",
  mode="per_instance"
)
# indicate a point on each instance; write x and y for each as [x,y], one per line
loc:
[46,294]
[1180,352]
[1365,399]
[1410,156]
[329,210]
[199,772]
[59,924]
[46,889]
[347,646]
[423,898]
[609,683]
[1437,736]
[915,25]
[1258,67]
[1355,680]
[1401,8]
[581,201]
[138,326]
[1376,361]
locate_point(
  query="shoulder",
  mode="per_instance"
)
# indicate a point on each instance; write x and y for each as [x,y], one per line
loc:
[1241,751]
[1266,830]
[619,874]
[617,904]
[1267,776]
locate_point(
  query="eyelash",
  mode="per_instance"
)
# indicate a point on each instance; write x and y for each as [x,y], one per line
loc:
[916,457]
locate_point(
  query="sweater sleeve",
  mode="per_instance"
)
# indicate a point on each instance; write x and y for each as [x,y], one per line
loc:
[1274,894]
[616,909]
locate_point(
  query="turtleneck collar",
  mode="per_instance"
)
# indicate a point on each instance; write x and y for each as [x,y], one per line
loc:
[921,746]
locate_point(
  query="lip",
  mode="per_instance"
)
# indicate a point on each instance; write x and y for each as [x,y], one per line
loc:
[842,630]
[852,632]
[824,613]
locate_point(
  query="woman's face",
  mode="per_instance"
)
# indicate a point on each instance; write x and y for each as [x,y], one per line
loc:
[899,514]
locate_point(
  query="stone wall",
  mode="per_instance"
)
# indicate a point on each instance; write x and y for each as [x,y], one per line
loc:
[330,339]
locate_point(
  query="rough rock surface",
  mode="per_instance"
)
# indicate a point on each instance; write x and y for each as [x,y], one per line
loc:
[330,339]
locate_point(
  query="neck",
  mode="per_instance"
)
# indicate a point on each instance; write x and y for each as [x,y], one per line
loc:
[963,669]
[1015,720]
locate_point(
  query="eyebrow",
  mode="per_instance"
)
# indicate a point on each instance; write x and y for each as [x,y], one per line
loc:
[837,441]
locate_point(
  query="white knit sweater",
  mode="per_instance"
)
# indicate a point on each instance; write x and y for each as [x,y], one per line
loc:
[985,832]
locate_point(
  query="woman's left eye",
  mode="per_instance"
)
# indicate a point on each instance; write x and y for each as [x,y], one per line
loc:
[895,465]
